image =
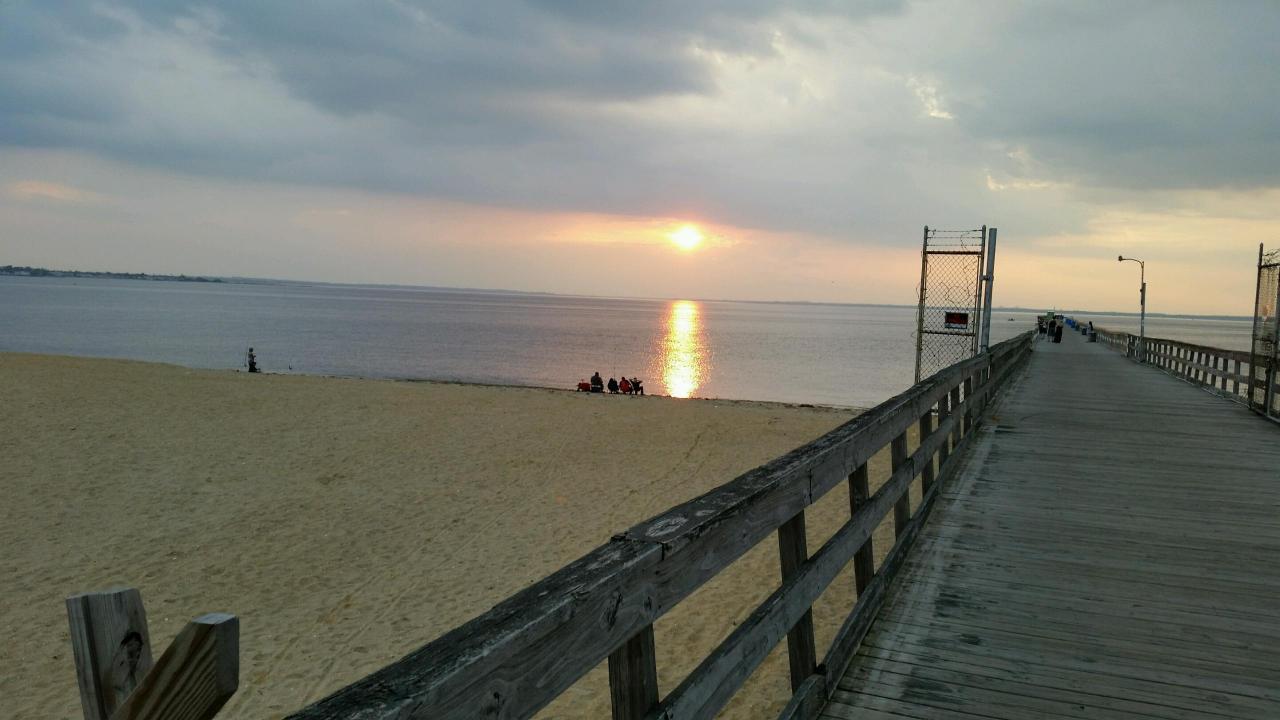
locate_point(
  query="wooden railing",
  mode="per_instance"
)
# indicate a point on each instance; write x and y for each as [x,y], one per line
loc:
[1228,373]
[519,656]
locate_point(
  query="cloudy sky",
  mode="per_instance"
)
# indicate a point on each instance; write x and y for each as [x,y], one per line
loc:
[556,145]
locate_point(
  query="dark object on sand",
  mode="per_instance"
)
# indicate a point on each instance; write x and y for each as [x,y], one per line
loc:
[584,386]
[252,361]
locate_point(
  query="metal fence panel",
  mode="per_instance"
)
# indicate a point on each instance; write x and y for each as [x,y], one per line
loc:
[949,317]
[1265,352]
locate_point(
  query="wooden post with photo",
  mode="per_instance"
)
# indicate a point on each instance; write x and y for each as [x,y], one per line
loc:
[118,680]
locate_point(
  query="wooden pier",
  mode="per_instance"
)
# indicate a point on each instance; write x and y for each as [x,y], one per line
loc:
[1110,549]
[1075,535]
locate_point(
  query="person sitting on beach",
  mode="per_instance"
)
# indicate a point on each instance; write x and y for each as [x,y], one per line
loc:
[252,360]
[636,387]
[613,386]
[584,386]
[597,384]
[624,385]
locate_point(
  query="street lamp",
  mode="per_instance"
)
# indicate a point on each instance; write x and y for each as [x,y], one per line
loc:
[1142,322]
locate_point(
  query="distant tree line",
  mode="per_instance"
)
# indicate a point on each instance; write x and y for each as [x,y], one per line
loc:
[45,272]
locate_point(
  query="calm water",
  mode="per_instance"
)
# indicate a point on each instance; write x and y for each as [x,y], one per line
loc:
[826,354]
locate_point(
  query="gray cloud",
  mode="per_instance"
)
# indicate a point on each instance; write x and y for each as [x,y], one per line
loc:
[806,116]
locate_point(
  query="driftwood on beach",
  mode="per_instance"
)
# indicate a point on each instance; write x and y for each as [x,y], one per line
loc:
[519,656]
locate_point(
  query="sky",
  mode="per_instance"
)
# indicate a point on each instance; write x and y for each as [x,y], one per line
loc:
[561,145]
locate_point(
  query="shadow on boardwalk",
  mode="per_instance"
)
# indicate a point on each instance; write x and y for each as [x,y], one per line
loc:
[1110,550]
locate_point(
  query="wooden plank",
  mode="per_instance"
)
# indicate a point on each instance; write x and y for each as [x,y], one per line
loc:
[195,676]
[111,646]
[633,677]
[793,552]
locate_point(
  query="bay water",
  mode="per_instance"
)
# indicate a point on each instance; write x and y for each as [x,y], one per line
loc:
[842,355]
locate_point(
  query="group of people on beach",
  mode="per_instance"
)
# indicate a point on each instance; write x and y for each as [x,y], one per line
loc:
[626,386]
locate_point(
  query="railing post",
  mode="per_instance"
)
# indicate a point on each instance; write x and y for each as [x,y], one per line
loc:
[926,429]
[111,647]
[944,412]
[801,647]
[1222,377]
[955,407]
[968,406]
[633,677]
[901,509]
[864,564]
[1235,381]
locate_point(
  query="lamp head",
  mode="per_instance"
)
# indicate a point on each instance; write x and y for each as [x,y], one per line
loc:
[1120,259]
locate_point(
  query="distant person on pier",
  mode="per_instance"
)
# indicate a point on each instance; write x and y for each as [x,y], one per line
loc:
[636,387]
[252,361]
[597,384]
[613,386]
[624,385]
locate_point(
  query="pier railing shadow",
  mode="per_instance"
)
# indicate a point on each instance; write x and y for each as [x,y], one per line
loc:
[519,656]
[1228,373]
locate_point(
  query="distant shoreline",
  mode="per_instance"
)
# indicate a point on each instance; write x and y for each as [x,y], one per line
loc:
[26,271]
[236,280]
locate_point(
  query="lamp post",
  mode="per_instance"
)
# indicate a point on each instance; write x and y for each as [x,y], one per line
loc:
[1142,322]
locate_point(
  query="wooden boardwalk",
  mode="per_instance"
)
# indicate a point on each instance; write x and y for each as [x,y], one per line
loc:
[1110,549]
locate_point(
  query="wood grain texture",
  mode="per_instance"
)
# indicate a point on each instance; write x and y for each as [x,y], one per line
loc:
[111,646]
[1101,555]
[195,676]
[633,677]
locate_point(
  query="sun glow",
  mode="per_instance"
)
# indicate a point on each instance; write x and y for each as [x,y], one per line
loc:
[688,237]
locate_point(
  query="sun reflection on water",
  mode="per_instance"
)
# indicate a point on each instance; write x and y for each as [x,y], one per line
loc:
[684,352]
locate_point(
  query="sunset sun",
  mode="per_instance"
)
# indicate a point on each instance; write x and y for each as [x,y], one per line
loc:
[688,237]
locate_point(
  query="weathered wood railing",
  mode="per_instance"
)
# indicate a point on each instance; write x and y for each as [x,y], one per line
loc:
[1228,373]
[522,654]
[118,680]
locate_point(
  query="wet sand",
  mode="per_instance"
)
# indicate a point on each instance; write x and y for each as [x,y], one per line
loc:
[347,522]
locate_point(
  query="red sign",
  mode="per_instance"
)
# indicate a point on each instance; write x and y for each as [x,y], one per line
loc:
[956,321]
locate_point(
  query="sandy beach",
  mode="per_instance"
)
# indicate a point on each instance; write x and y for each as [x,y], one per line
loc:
[347,522]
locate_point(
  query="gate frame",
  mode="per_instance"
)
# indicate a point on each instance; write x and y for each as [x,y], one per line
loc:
[1270,364]
[980,311]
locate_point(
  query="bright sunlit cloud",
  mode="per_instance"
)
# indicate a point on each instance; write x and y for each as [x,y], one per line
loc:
[687,237]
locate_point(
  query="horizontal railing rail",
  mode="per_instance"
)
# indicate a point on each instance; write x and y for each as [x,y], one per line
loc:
[1229,373]
[519,656]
